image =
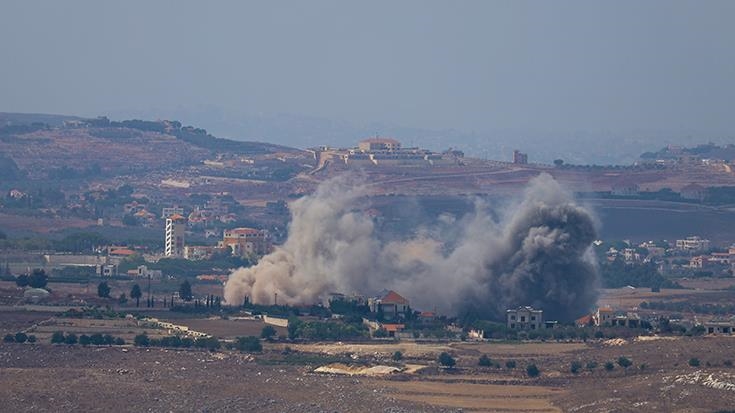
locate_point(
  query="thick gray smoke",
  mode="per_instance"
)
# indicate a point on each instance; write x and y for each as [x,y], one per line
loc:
[538,255]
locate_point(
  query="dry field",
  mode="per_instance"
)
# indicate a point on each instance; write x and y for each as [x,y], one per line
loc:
[44,377]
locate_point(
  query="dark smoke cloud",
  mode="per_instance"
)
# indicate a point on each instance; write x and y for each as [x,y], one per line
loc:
[537,254]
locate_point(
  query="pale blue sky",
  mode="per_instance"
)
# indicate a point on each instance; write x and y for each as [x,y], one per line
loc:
[555,66]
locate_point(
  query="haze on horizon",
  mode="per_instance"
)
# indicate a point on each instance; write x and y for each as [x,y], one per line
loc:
[541,70]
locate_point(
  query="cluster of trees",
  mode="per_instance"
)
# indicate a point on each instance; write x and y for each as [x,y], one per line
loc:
[618,274]
[37,279]
[683,306]
[97,339]
[325,330]
[209,343]
[19,337]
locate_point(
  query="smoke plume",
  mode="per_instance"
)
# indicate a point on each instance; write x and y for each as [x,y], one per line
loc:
[536,254]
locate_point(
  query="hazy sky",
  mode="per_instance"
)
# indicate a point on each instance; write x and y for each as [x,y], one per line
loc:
[468,65]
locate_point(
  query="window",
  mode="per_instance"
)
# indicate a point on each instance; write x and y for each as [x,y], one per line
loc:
[513,317]
[512,325]
[533,318]
[533,326]
[523,318]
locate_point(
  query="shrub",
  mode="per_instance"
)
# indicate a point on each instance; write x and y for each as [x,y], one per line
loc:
[397,356]
[643,366]
[268,332]
[511,364]
[485,361]
[141,340]
[250,344]
[446,360]
[727,363]
[609,366]
[70,339]
[575,367]
[31,338]
[694,362]
[119,341]
[57,337]
[532,370]
[599,334]
[591,365]
[21,337]
[9,338]
[97,339]
[624,362]
[85,340]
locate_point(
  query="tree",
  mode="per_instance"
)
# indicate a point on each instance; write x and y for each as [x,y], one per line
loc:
[609,366]
[122,299]
[22,280]
[249,344]
[397,356]
[446,360]
[31,338]
[510,364]
[85,340]
[103,290]
[57,337]
[71,339]
[624,362]
[694,362]
[532,370]
[484,361]
[558,162]
[38,278]
[141,340]
[268,332]
[185,291]
[293,327]
[575,367]
[9,338]
[136,293]
[21,337]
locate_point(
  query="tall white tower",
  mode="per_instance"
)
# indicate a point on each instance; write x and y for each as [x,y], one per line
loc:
[175,228]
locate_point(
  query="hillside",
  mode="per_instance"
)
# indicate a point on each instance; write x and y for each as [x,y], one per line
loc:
[50,147]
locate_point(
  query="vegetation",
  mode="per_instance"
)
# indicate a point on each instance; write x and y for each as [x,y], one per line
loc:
[575,367]
[609,366]
[624,362]
[103,290]
[532,370]
[397,356]
[136,293]
[185,291]
[694,362]
[510,364]
[268,332]
[446,360]
[249,344]
[618,274]
[484,361]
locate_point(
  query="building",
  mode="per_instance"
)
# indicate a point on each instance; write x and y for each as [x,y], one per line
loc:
[175,229]
[694,243]
[519,157]
[720,325]
[174,210]
[525,318]
[200,252]
[390,303]
[144,272]
[603,316]
[247,241]
[378,144]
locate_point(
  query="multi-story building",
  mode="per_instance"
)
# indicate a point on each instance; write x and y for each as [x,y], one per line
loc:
[694,243]
[174,210]
[247,241]
[520,157]
[525,318]
[175,229]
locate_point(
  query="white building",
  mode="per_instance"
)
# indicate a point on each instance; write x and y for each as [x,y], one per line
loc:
[525,318]
[175,229]
[694,243]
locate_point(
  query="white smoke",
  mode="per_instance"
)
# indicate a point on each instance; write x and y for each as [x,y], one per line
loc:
[536,255]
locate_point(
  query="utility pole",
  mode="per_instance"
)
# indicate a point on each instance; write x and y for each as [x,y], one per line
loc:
[275,299]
